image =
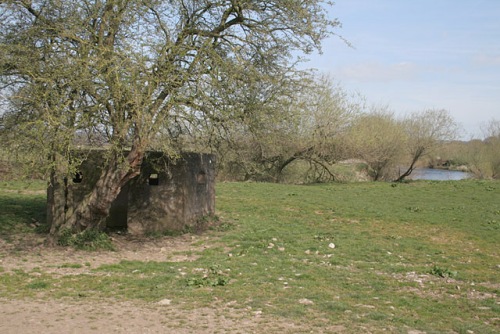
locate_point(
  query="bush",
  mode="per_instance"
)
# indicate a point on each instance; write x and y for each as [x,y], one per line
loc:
[88,240]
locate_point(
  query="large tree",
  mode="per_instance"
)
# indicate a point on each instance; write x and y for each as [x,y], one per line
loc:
[317,114]
[377,139]
[134,73]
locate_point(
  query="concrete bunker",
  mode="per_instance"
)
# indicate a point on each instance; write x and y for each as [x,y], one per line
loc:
[169,195]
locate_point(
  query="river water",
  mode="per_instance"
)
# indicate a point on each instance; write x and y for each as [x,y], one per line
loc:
[438,174]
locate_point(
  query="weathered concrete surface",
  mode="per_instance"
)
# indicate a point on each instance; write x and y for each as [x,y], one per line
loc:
[170,194]
[184,195]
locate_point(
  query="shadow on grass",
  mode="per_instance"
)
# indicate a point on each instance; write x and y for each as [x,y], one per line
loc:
[21,213]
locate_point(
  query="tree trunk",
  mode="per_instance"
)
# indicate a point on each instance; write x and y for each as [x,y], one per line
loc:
[410,169]
[92,211]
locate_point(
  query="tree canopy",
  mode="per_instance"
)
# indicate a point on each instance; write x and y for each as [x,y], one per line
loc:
[138,74]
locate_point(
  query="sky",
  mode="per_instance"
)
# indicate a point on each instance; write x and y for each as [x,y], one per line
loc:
[413,55]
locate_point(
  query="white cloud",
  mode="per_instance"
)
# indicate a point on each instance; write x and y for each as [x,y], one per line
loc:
[487,60]
[374,71]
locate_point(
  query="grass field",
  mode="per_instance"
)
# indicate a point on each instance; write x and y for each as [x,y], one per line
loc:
[20,204]
[370,257]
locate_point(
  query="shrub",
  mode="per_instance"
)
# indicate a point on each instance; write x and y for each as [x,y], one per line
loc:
[88,240]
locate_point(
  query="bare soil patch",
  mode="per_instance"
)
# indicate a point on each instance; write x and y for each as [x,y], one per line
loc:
[69,316]
[30,252]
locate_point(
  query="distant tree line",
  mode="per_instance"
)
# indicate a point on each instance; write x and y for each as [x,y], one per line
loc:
[312,130]
[325,126]
[480,157]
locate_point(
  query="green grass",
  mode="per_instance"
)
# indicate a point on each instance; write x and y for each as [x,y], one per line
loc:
[90,240]
[420,255]
[21,203]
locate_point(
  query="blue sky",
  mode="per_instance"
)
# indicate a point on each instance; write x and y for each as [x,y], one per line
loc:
[420,54]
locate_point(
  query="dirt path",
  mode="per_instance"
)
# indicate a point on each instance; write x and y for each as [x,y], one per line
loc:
[64,316]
